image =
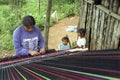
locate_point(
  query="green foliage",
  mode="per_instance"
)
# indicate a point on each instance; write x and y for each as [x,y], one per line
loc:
[16,4]
[4,2]
[68,10]
[8,23]
[6,42]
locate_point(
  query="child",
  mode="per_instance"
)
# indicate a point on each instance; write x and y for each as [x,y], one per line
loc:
[64,45]
[81,42]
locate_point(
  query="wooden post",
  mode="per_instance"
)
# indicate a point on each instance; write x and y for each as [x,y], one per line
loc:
[47,24]
[89,26]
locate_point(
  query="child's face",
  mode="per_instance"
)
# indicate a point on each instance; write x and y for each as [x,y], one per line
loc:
[65,42]
[79,35]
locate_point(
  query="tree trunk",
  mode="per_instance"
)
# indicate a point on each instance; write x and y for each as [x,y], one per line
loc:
[15,6]
[47,24]
[39,7]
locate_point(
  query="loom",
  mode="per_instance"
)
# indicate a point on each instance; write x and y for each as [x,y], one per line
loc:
[63,65]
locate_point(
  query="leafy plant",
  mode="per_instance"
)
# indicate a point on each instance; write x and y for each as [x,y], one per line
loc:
[6,42]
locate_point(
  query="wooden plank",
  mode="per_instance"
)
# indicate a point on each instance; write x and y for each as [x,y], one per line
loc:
[78,49]
[92,44]
[85,16]
[107,39]
[104,31]
[96,28]
[88,26]
[103,9]
[99,31]
[81,14]
[110,40]
[116,35]
[101,39]
[115,15]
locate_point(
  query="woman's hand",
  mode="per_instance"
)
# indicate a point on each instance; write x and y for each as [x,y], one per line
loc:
[33,52]
[42,51]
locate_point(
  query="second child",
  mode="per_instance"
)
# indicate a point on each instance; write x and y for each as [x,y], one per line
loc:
[81,42]
[65,44]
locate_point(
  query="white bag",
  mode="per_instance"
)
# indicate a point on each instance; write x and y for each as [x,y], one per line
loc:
[54,16]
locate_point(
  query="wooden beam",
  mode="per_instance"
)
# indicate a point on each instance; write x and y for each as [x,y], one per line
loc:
[108,12]
[89,1]
[103,9]
[115,15]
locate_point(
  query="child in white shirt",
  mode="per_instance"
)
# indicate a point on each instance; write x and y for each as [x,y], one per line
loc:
[81,42]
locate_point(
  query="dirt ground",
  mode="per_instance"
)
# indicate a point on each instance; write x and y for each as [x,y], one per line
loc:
[59,30]
[56,32]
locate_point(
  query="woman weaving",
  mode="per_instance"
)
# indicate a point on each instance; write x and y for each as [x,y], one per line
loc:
[28,39]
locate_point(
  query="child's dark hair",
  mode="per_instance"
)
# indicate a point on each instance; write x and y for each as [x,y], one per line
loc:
[28,21]
[65,38]
[82,31]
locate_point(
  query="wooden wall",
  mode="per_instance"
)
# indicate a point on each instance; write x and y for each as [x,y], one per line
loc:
[102,23]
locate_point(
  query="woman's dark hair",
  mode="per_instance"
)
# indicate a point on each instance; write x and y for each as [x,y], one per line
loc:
[65,38]
[82,31]
[28,21]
